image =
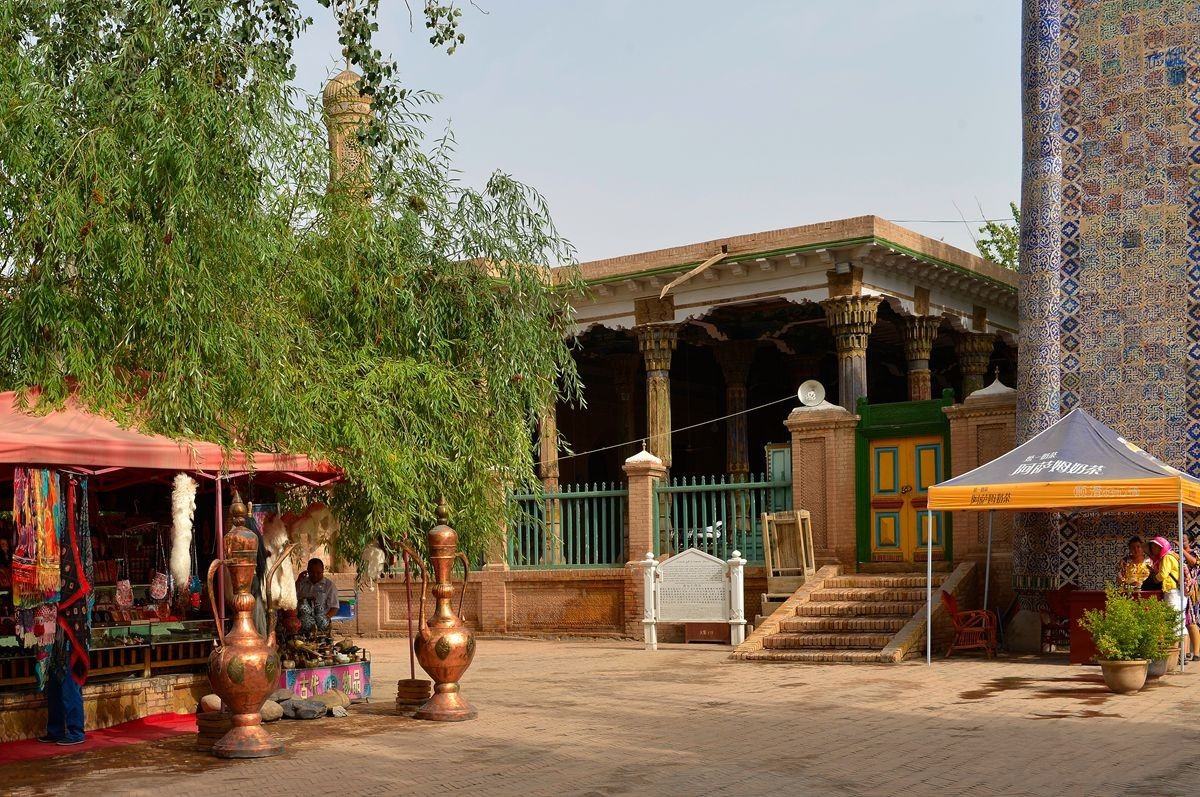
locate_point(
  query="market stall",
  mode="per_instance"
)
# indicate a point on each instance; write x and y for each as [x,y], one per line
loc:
[1076,465]
[114,487]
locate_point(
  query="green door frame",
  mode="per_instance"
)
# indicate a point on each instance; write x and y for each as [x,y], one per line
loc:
[901,419]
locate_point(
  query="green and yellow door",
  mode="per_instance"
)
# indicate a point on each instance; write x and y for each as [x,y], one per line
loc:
[901,470]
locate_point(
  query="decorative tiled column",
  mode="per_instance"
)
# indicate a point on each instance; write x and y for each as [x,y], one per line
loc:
[850,319]
[548,472]
[974,350]
[919,332]
[1039,304]
[657,344]
[735,358]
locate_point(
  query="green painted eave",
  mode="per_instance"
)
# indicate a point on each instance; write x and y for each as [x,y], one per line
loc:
[868,239]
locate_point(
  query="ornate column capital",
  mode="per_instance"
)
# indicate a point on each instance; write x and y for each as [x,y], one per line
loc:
[657,344]
[850,319]
[974,350]
[919,332]
[735,357]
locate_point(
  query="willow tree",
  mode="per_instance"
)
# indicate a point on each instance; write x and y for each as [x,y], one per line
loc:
[175,255]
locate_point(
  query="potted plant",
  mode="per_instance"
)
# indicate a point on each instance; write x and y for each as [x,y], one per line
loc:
[1129,633]
[1162,626]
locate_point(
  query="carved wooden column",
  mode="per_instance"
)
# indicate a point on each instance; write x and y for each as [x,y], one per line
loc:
[919,332]
[735,358]
[657,344]
[548,471]
[625,371]
[974,350]
[850,319]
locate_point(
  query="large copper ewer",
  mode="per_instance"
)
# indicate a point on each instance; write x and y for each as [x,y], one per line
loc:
[243,666]
[444,644]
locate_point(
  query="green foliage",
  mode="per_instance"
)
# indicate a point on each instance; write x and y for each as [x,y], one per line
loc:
[171,255]
[1000,241]
[1129,628]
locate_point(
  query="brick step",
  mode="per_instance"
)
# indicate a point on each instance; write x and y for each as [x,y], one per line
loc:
[903,567]
[816,656]
[858,608]
[909,580]
[788,641]
[883,623]
[865,594]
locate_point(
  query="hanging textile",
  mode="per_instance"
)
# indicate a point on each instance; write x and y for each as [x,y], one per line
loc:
[39,517]
[75,609]
[40,521]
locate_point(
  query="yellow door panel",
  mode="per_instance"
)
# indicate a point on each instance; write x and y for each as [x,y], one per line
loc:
[901,472]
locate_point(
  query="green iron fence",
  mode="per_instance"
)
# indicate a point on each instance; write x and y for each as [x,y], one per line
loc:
[578,526]
[717,514]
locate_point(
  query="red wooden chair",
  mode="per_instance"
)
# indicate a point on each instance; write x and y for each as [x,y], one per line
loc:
[1056,626]
[973,630]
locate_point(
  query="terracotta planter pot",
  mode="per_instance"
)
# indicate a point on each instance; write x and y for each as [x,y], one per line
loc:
[1124,677]
[1160,667]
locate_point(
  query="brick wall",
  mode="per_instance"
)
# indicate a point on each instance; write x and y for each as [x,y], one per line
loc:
[23,714]
[981,429]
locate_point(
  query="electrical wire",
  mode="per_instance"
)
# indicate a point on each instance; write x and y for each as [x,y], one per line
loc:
[949,221]
[642,440]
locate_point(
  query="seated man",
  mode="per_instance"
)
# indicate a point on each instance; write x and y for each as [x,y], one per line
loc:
[319,595]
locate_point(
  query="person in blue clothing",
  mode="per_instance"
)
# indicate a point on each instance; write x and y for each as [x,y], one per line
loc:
[64,700]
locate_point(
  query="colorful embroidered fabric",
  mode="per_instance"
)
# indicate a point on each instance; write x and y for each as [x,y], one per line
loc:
[39,517]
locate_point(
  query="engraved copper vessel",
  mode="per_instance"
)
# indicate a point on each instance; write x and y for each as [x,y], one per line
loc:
[243,666]
[444,644]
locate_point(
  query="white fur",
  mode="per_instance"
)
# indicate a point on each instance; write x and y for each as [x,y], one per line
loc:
[373,562]
[283,583]
[183,509]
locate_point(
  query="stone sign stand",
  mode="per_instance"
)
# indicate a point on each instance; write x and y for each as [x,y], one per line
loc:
[693,587]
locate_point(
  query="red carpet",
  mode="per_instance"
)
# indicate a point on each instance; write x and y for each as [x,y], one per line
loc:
[147,729]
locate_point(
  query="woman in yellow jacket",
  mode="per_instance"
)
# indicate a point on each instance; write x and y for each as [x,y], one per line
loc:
[1165,571]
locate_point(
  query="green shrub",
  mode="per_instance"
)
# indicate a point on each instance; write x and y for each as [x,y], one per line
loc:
[1131,628]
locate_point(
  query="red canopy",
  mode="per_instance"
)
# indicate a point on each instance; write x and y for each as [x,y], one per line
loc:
[73,437]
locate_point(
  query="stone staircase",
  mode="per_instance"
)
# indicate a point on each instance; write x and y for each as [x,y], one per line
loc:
[848,618]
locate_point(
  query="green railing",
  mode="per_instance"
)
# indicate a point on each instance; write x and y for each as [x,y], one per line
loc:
[716,514]
[577,526]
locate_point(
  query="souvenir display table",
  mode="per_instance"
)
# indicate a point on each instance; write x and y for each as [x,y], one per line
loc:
[1083,649]
[310,667]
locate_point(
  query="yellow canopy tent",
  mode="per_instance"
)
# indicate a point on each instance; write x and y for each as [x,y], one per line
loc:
[1077,464]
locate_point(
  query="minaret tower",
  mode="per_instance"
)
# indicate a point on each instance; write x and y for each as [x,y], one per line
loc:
[347,111]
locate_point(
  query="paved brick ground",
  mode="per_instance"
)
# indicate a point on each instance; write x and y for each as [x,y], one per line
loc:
[606,718]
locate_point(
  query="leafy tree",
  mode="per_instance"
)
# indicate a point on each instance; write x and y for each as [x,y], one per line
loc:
[170,253]
[1000,241]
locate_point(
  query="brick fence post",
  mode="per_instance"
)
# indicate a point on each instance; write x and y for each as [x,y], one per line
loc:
[823,478]
[493,578]
[642,471]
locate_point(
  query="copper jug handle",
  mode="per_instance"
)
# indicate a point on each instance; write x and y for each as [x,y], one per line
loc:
[466,563]
[272,612]
[212,599]
[411,555]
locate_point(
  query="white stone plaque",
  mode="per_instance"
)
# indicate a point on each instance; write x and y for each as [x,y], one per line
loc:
[693,588]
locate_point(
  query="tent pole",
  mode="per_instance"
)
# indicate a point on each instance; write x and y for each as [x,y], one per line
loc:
[1182,594]
[987,569]
[928,587]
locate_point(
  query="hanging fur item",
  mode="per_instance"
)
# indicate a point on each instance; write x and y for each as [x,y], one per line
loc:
[373,563]
[283,583]
[183,509]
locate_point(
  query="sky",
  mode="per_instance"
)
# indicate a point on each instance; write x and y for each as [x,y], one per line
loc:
[655,123]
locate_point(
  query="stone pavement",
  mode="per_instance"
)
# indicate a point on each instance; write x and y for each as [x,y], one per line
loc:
[607,718]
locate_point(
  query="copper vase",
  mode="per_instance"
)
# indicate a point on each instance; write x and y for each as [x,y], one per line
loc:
[444,644]
[243,667]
